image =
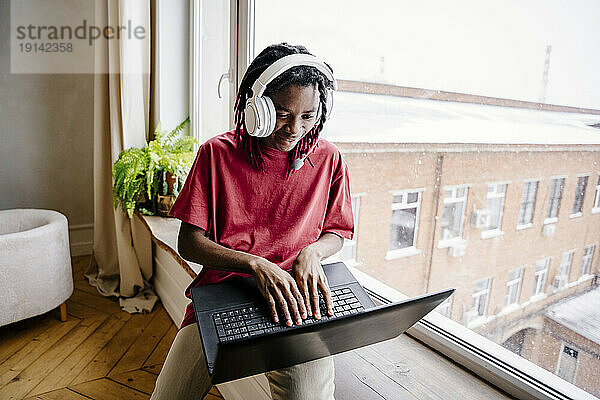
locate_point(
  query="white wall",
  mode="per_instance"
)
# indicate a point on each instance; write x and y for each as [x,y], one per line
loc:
[46,142]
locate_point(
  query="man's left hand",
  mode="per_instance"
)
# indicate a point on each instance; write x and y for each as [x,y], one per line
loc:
[311,278]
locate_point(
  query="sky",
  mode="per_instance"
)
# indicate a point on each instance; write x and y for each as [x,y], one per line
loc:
[490,48]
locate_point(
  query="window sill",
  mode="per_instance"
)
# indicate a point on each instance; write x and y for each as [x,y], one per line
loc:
[352,263]
[576,215]
[401,253]
[502,368]
[509,309]
[536,298]
[560,289]
[584,278]
[550,220]
[479,321]
[524,226]
[445,243]
[491,233]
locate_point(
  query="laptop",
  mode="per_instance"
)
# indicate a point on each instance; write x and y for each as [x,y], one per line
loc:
[240,339]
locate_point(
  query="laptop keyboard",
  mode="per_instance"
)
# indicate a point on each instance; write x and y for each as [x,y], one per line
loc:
[247,322]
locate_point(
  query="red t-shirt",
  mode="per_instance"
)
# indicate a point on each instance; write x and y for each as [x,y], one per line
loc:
[263,213]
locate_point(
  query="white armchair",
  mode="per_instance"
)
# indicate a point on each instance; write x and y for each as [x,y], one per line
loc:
[35,263]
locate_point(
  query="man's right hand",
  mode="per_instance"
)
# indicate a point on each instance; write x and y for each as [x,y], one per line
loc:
[279,288]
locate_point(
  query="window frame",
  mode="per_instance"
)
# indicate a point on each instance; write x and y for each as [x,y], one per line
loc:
[502,368]
[550,218]
[587,259]
[447,242]
[477,317]
[578,213]
[564,265]
[540,284]
[560,358]
[528,224]
[596,204]
[495,194]
[410,250]
[509,284]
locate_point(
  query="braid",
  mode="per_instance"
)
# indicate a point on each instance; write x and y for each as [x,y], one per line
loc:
[300,75]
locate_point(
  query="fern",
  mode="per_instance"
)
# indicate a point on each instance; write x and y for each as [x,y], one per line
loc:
[142,171]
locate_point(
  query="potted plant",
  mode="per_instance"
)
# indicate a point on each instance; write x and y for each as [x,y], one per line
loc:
[149,179]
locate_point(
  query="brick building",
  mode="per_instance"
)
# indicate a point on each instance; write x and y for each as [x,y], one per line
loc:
[505,207]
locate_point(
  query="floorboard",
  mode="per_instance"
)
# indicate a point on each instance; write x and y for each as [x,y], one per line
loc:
[99,353]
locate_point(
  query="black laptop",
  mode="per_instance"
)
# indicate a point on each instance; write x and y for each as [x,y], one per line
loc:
[240,338]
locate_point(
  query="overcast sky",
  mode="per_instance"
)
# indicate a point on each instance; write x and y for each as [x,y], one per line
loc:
[491,48]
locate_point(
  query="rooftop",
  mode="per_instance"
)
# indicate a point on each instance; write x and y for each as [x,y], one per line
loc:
[373,118]
[581,314]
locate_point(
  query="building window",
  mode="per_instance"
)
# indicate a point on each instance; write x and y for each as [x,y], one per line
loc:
[481,294]
[528,202]
[405,217]
[588,252]
[455,200]
[495,203]
[597,198]
[565,269]
[347,253]
[539,280]
[567,364]
[446,307]
[513,286]
[555,195]
[579,195]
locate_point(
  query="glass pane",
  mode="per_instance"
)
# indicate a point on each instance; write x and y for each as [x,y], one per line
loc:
[393,137]
[495,207]
[412,197]
[403,228]
[215,62]
[451,221]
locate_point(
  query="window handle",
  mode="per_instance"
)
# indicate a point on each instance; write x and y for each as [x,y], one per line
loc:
[223,76]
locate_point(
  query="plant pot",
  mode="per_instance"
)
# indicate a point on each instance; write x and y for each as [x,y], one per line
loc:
[164,204]
[170,182]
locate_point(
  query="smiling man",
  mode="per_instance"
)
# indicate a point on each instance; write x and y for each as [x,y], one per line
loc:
[251,206]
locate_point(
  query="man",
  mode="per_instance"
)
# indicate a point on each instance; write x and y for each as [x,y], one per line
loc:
[250,207]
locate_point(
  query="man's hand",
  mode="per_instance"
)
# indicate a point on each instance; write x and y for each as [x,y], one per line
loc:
[311,278]
[278,287]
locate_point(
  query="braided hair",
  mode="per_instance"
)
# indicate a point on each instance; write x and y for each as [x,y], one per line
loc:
[301,75]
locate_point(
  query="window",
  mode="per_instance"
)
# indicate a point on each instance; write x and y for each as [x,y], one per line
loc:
[394,136]
[579,195]
[527,203]
[555,196]
[513,286]
[405,220]
[347,253]
[586,264]
[446,307]
[565,269]
[567,363]
[480,296]
[495,203]
[455,200]
[596,207]
[212,84]
[539,280]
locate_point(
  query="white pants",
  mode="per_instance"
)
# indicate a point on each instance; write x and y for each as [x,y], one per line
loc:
[184,374]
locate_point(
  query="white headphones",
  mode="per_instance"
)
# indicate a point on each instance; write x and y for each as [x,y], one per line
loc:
[259,114]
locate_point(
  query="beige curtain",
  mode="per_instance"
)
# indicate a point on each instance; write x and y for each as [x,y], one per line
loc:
[122,255]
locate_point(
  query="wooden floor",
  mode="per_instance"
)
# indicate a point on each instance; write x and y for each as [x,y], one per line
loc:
[100,352]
